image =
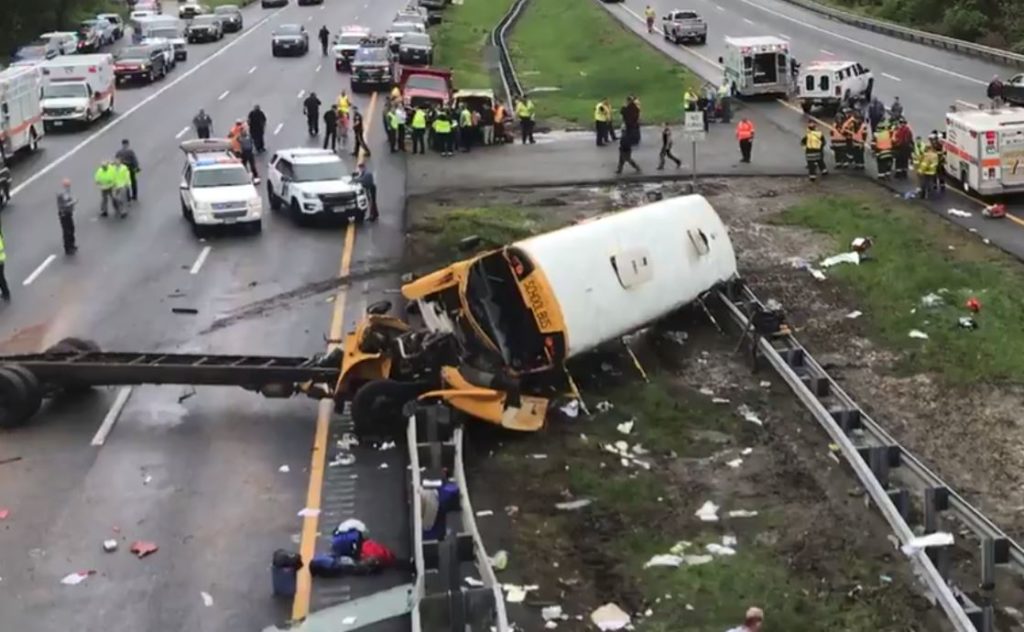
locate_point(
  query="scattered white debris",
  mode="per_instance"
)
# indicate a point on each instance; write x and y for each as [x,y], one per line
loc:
[147,480]
[747,451]
[846,257]
[955,212]
[706,391]
[110,546]
[720,549]
[284,469]
[472,582]
[344,459]
[550,625]
[735,462]
[708,512]
[816,273]
[309,512]
[348,621]
[664,560]
[382,466]
[207,599]
[729,540]
[572,409]
[697,560]
[940,538]
[499,561]
[648,612]
[483,513]
[689,607]
[678,337]
[679,547]
[551,612]
[347,441]
[603,407]
[742,513]
[610,617]
[748,414]
[515,593]
[573,505]
[855,314]
[719,400]
[76,578]
[538,456]
[387,445]
[931,300]
[626,427]
[766,384]
[917,333]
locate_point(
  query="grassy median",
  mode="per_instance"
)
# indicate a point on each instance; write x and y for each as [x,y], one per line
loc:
[916,256]
[460,42]
[577,47]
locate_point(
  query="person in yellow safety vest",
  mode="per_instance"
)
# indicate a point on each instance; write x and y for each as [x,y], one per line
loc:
[392,120]
[602,117]
[858,135]
[919,147]
[939,145]
[419,129]
[443,133]
[649,16]
[344,104]
[106,180]
[927,168]
[882,148]
[5,292]
[466,131]
[396,94]
[813,143]
[122,183]
[838,138]
[689,101]
[525,111]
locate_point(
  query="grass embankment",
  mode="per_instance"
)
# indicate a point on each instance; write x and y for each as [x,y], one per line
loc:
[915,255]
[437,232]
[460,41]
[577,47]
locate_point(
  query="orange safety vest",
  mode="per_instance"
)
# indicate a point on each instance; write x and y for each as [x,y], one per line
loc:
[744,130]
[860,133]
[883,141]
[233,135]
[838,132]
[499,113]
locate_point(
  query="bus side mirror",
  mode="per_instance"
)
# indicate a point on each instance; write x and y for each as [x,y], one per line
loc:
[379,308]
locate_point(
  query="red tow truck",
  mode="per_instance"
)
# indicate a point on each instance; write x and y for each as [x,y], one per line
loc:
[425,87]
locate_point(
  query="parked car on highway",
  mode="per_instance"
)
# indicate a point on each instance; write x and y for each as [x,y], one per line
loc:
[373,65]
[416,48]
[270,4]
[231,17]
[346,43]
[40,48]
[66,41]
[166,46]
[412,16]
[116,23]
[88,39]
[289,39]
[397,31]
[684,26]
[139,62]
[104,29]
[205,28]
[830,84]
[314,183]
[165,27]
[216,189]
[189,10]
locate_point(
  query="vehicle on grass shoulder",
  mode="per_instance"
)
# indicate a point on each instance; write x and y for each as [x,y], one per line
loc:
[398,30]
[189,10]
[216,189]
[163,27]
[116,23]
[985,148]
[139,62]
[684,25]
[273,4]
[425,87]
[231,17]
[77,89]
[831,84]
[289,39]
[346,43]
[40,48]
[166,47]
[373,65]
[314,183]
[757,65]
[204,28]
[416,48]
[21,111]
[65,41]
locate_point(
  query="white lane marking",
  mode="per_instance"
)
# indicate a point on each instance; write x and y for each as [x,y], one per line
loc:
[301,94]
[785,37]
[103,130]
[200,260]
[252,70]
[748,21]
[42,266]
[893,77]
[183,131]
[864,45]
[827,52]
[277,129]
[112,415]
[719,7]
[223,95]
[319,66]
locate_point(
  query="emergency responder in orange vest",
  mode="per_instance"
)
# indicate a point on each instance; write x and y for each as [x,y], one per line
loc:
[745,136]
[882,148]
[838,137]
[859,136]
[233,134]
[813,143]
[499,123]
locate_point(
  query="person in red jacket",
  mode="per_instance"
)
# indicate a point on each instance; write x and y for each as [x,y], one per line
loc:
[745,136]
[902,148]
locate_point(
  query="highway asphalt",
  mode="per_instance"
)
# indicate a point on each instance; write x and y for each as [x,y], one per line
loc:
[195,472]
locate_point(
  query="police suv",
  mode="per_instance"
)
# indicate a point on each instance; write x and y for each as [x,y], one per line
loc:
[314,183]
[216,190]
[373,65]
[346,44]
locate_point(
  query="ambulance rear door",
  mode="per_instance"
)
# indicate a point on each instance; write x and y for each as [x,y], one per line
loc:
[1011,156]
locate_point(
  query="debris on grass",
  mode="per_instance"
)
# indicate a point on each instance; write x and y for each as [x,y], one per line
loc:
[573,505]
[931,300]
[499,561]
[572,409]
[855,314]
[917,333]
[735,463]
[940,538]
[514,593]
[626,427]
[720,400]
[749,415]
[708,512]
[741,513]
[610,617]
[664,559]
[472,582]
[846,257]
[603,407]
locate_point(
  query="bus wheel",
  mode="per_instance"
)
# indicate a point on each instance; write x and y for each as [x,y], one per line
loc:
[377,407]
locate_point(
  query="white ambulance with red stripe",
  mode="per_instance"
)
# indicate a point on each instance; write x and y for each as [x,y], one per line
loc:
[985,148]
[21,116]
[77,89]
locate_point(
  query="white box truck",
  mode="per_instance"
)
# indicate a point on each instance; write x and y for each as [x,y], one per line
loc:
[77,89]
[757,65]
[21,115]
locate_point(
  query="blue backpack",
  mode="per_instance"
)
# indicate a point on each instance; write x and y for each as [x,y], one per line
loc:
[347,544]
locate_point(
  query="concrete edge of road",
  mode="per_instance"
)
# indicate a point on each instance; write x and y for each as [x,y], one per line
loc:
[913,35]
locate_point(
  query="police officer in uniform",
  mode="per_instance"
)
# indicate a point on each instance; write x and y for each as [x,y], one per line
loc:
[65,213]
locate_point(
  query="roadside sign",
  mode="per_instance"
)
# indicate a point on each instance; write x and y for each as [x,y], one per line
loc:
[693,127]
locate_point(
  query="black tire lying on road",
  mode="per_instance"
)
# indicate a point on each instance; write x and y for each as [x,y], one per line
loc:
[20,396]
[377,408]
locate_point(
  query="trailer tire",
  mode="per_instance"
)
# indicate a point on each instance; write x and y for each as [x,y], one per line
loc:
[14,399]
[377,407]
[33,389]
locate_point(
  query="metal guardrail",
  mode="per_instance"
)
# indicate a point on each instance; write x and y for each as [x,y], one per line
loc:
[914,35]
[509,78]
[416,483]
[876,458]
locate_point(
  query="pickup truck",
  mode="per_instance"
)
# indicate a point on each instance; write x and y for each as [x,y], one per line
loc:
[425,87]
[682,25]
[1013,90]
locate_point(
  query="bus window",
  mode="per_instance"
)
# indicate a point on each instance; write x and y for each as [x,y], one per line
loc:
[809,83]
[632,268]
[823,83]
[700,242]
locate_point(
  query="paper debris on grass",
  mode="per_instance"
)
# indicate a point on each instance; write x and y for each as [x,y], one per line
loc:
[846,257]
[499,561]
[515,593]
[626,427]
[538,456]
[76,578]
[955,212]
[610,617]
[551,613]
[855,314]
[472,582]
[816,273]
[309,512]
[550,625]
[573,505]
[603,407]
[697,560]
[719,400]
[708,512]
[348,621]
[572,409]
[679,547]
[734,463]
[746,451]
[766,384]
[664,560]
[706,391]
[207,599]
[284,469]
[742,513]
[931,300]
[940,538]
[748,414]
[917,333]
[720,549]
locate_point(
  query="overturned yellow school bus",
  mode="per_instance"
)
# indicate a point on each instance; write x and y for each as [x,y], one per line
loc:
[498,328]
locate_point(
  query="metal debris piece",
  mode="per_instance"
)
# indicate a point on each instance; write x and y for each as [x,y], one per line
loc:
[110,546]
[511,510]
[746,451]
[142,548]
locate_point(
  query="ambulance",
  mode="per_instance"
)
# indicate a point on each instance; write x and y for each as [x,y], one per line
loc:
[757,65]
[985,148]
[77,89]
[21,114]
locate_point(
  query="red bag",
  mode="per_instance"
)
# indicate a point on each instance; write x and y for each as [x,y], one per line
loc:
[374,551]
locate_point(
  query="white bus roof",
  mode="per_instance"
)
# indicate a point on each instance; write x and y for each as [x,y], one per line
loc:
[986,119]
[761,40]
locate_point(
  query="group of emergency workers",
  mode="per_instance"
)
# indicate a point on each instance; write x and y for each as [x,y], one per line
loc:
[117,180]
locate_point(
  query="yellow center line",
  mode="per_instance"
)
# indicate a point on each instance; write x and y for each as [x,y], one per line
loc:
[318,461]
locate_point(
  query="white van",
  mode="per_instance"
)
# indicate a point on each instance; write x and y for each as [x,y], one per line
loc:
[829,84]
[757,65]
[77,89]
[21,116]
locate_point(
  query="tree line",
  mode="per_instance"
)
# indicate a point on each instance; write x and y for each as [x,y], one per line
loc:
[996,23]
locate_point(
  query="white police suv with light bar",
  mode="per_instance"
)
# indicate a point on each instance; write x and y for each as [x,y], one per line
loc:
[311,183]
[216,189]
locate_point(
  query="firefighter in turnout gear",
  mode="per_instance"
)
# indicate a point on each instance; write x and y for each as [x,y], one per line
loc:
[813,143]
[940,150]
[859,135]
[837,135]
[881,145]
[927,169]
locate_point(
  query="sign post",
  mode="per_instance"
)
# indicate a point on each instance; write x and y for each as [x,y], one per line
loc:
[693,129]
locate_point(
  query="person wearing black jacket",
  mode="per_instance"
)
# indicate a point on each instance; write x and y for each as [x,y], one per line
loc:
[324,36]
[257,128]
[331,128]
[128,158]
[357,131]
[631,120]
[311,107]
[666,148]
[626,153]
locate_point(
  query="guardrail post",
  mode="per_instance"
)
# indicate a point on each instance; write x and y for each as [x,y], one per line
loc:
[818,385]
[993,551]
[847,418]
[901,498]
[981,618]
[940,556]
[936,499]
